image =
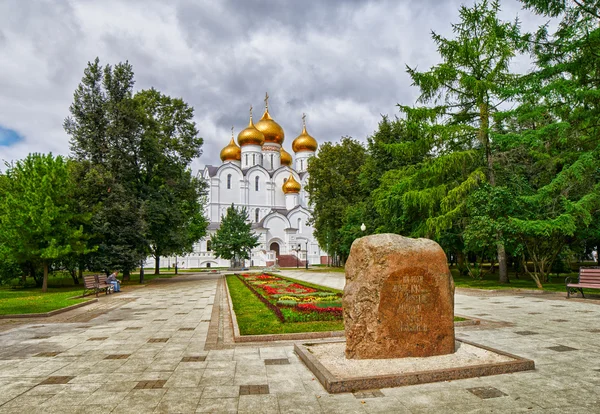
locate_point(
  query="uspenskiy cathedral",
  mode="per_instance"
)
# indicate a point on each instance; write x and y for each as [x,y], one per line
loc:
[261,175]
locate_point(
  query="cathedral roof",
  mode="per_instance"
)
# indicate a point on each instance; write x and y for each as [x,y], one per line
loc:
[272,131]
[304,142]
[291,186]
[250,135]
[212,170]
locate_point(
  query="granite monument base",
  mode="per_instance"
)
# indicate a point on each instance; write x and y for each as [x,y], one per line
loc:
[336,373]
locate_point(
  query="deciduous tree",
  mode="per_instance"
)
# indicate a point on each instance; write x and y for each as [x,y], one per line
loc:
[234,240]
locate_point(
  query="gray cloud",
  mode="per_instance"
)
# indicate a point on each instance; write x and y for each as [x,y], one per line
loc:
[342,63]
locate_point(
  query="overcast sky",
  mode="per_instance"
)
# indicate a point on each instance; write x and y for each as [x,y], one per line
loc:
[340,62]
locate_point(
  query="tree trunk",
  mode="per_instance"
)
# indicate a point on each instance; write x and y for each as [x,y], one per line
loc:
[45,282]
[142,272]
[502,264]
[157,265]
[460,263]
[73,273]
[33,275]
[80,272]
[126,275]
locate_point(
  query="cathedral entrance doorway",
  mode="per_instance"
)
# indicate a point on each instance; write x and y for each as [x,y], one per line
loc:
[275,247]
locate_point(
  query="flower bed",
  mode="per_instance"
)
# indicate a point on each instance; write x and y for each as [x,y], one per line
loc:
[292,301]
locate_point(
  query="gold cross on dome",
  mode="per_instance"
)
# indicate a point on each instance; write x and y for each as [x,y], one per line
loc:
[232,131]
[304,120]
[250,111]
[267,101]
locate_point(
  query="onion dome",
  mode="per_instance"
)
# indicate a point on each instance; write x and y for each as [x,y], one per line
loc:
[250,135]
[304,142]
[270,129]
[291,186]
[286,157]
[231,152]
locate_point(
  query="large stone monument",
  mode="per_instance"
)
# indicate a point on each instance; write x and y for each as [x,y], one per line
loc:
[398,300]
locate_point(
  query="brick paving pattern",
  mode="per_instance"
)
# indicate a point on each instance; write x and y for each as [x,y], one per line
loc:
[59,364]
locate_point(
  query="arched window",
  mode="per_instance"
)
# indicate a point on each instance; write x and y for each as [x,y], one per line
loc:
[246,160]
[256,214]
[228,181]
[256,183]
[299,225]
[272,161]
[253,159]
[208,245]
[208,265]
[301,164]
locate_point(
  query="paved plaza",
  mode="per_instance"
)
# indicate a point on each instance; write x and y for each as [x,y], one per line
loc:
[167,348]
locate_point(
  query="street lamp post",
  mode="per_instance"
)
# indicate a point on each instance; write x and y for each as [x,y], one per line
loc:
[298,249]
[306,258]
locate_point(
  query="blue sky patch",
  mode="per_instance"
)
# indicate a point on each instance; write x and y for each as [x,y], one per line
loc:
[9,137]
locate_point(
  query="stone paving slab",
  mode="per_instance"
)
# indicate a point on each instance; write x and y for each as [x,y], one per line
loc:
[563,382]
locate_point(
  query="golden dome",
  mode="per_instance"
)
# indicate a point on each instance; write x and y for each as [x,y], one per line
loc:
[250,135]
[286,157]
[231,152]
[270,129]
[304,142]
[291,186]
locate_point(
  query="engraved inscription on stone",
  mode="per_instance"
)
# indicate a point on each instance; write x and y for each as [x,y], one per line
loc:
[411,296]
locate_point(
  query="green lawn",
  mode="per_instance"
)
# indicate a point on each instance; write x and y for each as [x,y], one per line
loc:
[254,318]
[16,301]
[490,281]
[29,299]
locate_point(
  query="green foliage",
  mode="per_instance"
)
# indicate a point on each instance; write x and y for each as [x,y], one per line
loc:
[39,223]
[333,185]
[234,239]
[135,151]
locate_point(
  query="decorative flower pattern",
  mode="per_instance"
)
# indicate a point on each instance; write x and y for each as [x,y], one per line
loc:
[294,301]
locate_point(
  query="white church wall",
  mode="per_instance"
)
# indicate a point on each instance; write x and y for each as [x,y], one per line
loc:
[258,197]
[276,225]
[230,179]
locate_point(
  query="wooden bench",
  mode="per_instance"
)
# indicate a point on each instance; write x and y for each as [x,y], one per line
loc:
[92,283]
[104,285]
[588,278]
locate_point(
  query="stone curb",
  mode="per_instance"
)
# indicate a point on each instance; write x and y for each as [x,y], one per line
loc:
[51,313]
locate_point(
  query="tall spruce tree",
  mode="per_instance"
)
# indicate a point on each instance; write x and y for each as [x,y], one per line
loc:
[466,89]
[234,240]
[554,134]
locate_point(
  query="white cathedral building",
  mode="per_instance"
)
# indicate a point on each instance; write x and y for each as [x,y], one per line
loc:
[259,174]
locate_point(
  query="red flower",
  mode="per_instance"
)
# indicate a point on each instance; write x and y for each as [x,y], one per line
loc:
[312,308]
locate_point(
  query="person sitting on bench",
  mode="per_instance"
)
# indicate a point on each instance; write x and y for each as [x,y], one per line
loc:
[112,279]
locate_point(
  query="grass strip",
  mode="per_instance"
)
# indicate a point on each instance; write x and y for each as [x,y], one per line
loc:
[24,301]
[264,300]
